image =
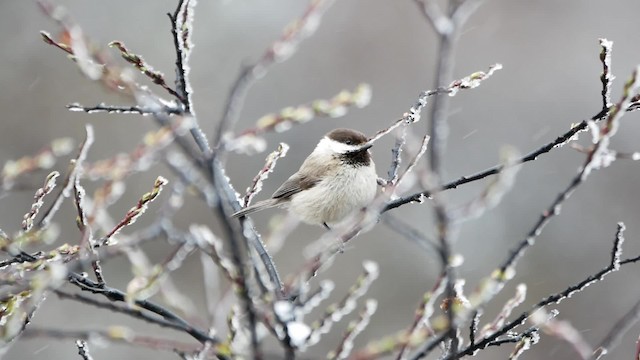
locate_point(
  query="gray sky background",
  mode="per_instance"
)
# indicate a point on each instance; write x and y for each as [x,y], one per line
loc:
[550,80]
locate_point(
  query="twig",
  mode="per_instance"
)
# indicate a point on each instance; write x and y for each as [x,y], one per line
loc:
[396,156]
[135,212]
[249,234]
[613,266]
[606,77]
[38,200]
[77,45]
[531,156]
[182,29]
[413,115]
[68,185]
[421,151]
[43,159]
[138,62]
[524,342]
[409,232]
[354,329]
[287,117]
[617,331]
[116,295]
[87,242]
[563,330]
[473,326]
[335,312]
[263,174]
[422,315]
[120,309]
[238,246]
[116,109]
[438,130]
[279,51]
[594,160]
[495,190]
[498,322]
[115,334]
[83,350]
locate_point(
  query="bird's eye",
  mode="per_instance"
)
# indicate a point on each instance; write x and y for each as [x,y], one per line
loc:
[349,142]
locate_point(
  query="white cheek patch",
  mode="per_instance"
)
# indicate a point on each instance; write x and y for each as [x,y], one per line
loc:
[331,146]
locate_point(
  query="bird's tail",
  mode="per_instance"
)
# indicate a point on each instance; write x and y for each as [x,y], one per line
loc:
[260,205]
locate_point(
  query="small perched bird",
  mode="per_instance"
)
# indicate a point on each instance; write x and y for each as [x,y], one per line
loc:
[336,179]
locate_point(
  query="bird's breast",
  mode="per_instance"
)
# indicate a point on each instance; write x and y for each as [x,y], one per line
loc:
[334,198]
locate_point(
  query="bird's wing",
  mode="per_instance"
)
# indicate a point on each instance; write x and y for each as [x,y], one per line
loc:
[294,185]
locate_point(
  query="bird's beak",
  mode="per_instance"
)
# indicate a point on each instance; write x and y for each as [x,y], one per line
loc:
[362,148]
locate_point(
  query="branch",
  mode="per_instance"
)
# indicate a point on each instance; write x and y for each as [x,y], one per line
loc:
[115,109]
[76,165]
[614,264]
[531,156]
[132,312]
[606,77]
[438,130]
[617,331]
[83,350]
[116,295]
[278,52]
[115,334]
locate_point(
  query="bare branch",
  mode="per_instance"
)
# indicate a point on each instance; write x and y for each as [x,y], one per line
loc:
[138,62]
[278,52]
[135,212]
[38,200]
[76,165]
[613,266]
[606,77]
[83,350]
[263,174]
[617,331]
[354,329]
[116,109]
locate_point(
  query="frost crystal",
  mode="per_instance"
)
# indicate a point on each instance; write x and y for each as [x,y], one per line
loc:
[298,333]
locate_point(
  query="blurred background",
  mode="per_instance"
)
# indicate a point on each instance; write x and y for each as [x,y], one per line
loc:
[550,80]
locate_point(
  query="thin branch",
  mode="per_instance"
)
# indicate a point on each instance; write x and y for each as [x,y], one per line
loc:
[116,109]
[132,312]
[83,350]
[438,130]
[43,159]
[337,311]
[38,200]
[614,265]
[594,160]
[87,242]
[606,77]
[68,185]
[238,245]
[531,156]
[135,212]
[278,52]
[139,63]
[113,294]
[354,329]
[422,315]
[410,233]
[114,334]
[263,174]
[617,331]
[396,156]
[181,31]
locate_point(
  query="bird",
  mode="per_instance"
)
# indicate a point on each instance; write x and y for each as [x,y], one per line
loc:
[338,178]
